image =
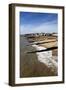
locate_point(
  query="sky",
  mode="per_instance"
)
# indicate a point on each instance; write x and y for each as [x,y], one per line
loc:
[32,22]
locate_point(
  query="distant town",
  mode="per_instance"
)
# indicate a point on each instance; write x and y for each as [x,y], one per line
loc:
[40,34]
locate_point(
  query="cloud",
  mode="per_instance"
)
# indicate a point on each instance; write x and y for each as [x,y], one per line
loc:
[28,28]
[49,26]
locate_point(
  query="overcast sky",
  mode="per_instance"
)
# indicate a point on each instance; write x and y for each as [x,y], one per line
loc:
[31,22]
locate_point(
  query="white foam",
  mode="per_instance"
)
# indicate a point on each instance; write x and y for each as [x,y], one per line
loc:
[46,57]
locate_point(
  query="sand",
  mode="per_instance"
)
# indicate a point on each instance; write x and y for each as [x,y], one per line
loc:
[30,64]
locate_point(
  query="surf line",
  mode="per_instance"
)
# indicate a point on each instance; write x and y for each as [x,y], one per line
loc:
[46,57]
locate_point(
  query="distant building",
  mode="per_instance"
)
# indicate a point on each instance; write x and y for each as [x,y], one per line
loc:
[48,34]
[40,34]
[54,34]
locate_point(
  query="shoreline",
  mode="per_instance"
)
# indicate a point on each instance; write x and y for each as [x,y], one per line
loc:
[46,57]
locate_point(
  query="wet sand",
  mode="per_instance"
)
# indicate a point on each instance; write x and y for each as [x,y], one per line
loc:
[30,66]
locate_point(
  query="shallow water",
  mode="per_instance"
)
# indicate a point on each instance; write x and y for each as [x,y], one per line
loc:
[46,57]
[36,64]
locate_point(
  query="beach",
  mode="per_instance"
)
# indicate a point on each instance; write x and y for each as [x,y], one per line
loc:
[36,64]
